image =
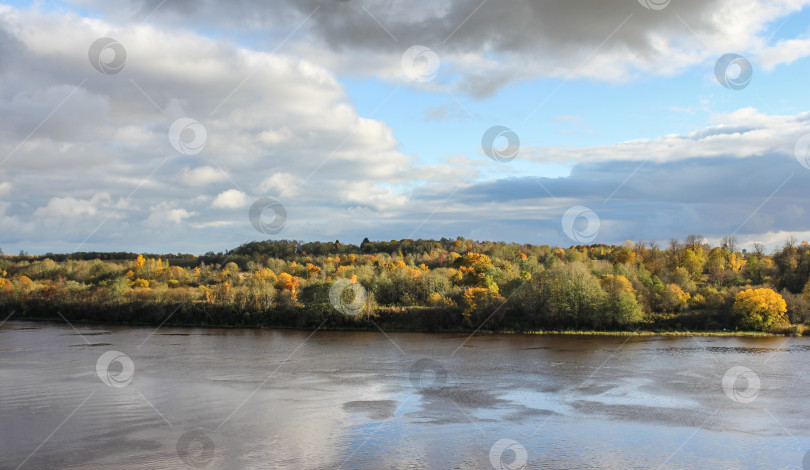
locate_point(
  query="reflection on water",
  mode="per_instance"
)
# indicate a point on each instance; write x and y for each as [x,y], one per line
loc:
[288,399]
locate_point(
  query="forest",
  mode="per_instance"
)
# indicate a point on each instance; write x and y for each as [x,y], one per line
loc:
[426,285]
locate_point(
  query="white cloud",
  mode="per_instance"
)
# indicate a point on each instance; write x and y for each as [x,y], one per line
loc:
[212,224]
[783,52]
[740,134]
[282,122]
[231,199]
[290,130]
[282,185]
[377,198]
[164,214]
[202,176]
[71,207]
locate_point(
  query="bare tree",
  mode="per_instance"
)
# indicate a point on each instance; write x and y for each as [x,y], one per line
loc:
[694,240]
[729,242]
[759,249]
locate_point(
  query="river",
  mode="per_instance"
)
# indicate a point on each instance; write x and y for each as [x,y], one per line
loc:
[140,397]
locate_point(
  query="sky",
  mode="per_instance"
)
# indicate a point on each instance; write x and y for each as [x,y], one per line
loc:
[196,125]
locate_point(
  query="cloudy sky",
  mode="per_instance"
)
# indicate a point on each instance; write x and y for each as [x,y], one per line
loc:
[161,125]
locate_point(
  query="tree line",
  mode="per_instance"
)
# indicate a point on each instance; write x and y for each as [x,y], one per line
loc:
[433,285]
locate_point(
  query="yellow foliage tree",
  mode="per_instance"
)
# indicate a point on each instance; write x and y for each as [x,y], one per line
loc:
[693,261]
[312,269]
[760,309]
[673,298]
[265,275]
[736,262]
[438,300]
[289,283]
[207,294]
[616,282]
[477,261]
[478,302]
[626,256]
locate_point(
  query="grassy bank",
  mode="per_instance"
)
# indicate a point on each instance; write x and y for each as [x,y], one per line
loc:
[415,320]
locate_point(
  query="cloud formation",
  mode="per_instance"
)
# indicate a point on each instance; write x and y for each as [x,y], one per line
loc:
[272,123]
[89,160]
[485,45]
[741,134]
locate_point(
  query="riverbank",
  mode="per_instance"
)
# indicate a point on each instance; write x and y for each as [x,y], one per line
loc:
[424,286]
[481,332]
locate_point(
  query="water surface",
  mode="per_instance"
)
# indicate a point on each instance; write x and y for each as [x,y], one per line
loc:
[221,398]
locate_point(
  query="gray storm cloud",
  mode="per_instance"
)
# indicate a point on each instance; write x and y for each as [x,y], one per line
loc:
[486,45]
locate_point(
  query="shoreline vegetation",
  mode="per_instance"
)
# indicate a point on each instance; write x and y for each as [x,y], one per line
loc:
[738,334]
[689,288]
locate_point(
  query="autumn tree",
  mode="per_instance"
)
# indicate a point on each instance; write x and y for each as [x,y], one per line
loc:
[287,285]
[573,296]
[673,299]
[476,270]
[760,309]
[693,260]
[621,304]
[480,305]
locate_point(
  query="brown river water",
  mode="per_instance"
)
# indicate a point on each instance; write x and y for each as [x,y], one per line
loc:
[140,397]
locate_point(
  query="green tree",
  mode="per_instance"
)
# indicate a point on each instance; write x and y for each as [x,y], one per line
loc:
[693,261]
[621,305]
[574,296]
